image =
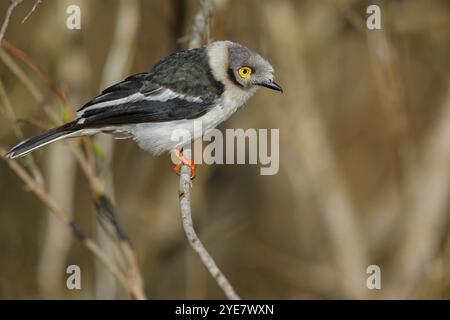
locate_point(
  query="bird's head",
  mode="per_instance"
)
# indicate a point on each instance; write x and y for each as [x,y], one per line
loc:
[241,66]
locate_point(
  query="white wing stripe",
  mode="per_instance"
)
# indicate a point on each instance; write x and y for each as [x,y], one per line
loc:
[169,94]
[164,95]
[134,97]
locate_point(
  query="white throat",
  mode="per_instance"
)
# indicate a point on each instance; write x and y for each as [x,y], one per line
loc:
[233,96]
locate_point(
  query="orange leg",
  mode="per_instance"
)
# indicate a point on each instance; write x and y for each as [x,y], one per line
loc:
[184,161]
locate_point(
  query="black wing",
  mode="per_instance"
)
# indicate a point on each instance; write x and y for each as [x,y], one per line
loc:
[145,111]
[178,87]
[123,89]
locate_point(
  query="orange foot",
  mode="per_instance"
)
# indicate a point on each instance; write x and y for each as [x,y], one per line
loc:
[184,161]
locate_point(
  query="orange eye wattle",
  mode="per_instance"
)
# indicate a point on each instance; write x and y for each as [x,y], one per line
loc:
[245,72]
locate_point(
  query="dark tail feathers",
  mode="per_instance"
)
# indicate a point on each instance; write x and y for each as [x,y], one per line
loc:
[41,140]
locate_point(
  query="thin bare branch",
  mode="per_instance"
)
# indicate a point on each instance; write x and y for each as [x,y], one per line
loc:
[38,2]
[44,196]
[194,241]
[106,211]
[134,279]
[9,11]
[11,115]
[28,84]
[200,27]
[40,72]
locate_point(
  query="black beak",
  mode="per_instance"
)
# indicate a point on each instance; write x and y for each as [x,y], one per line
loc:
[271,85]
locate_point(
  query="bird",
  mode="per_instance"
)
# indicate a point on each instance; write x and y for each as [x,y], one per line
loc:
[206,84]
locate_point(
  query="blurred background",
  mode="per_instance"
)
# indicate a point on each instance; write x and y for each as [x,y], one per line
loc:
[364,173]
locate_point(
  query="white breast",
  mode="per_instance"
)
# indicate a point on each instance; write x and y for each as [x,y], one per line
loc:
[157,137]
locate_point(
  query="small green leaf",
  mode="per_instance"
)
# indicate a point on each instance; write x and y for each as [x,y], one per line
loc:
[66,116]
[98,151]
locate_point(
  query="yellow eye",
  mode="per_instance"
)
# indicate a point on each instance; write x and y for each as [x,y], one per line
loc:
[245,72]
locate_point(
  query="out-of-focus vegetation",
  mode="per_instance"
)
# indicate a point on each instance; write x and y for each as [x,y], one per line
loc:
[364,155]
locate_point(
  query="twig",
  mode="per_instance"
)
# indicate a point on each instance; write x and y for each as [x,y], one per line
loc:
[44,196]
[28,84]
[38,2]
[40,72]
[200,25]
[105,210]
[194,241]
[131,282]
[134,280]
[11,115]
[199,28]
[39,98]
[9,111]
[9,11]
